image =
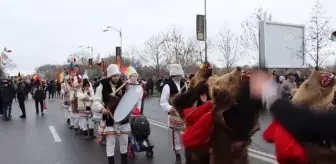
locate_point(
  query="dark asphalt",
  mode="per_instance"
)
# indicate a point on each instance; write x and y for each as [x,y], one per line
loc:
[30,141]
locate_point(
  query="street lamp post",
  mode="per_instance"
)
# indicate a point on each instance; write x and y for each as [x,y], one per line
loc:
[110,28]
[205,34]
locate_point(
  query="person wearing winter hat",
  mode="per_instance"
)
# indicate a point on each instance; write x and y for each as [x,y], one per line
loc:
[76,83]
[108,86]
[288,85]
[85,98]
[132,76]
[65,91]
[174,86]
[196,98]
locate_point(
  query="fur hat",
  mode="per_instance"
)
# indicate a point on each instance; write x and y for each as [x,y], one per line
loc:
[176,70]
[202,75]
[112,69]
[131,71]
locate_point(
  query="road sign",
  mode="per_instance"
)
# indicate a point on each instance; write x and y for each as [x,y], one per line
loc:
[200,27]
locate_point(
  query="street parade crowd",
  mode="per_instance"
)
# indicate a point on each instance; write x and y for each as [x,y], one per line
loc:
[218,115]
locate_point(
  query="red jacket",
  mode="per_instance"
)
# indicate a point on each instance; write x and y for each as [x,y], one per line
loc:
[199,126]
[287,150]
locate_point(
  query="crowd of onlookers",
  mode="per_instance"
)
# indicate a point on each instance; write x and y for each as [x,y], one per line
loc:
[19,90]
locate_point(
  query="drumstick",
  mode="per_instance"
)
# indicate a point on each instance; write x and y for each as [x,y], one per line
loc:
[117,90]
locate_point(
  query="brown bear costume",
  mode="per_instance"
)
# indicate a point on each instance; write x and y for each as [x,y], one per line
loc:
[187,106]
[235,114]
[227,123]
[296,135]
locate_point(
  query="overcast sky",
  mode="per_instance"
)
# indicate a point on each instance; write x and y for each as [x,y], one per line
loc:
[47,31]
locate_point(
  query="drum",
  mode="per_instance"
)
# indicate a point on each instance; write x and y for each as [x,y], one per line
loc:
[127,103]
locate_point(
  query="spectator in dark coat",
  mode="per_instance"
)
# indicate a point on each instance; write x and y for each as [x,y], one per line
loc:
[21,96]
[7,95]
[150,86]
[39,96]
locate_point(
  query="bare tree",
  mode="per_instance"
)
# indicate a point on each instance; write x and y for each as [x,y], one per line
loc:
[200,49]
[317,43]
[178,49]
[133,54]
[48,71]
[250,35]
[153,54]
[229,46]
[5,63]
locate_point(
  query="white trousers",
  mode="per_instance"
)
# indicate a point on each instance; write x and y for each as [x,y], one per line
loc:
[176,139]
[86,122]
[74,120]
[123,133]
[67,112]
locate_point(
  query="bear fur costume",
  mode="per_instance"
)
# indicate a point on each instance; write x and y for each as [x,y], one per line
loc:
[316,93]
[228,121]
[198,86]
[186,105]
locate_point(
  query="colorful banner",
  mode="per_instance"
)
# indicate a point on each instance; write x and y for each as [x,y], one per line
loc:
[60,77]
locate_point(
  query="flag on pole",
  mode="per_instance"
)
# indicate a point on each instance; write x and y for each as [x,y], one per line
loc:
[7,50]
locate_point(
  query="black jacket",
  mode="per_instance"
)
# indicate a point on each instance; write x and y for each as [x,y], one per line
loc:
[21,91]
[305,124]
[7,93]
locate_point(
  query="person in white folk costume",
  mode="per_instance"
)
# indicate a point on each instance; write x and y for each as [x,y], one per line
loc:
[65,90]
[76,83]
[174,86]
[101,103]
[132,77]
[85,98]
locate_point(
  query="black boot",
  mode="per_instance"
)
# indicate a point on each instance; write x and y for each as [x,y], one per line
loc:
[86,134]
[124,158]
[91,133]
[110,160]
[77,131]
[68,121]
[178,159]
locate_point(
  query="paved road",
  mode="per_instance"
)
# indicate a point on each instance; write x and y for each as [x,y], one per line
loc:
[47,140]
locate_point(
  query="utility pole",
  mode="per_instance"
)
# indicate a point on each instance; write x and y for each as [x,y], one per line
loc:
[205,34]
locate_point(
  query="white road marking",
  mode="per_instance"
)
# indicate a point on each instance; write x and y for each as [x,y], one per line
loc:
[263,158]
[270,158]
[54,134]
[262,153]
